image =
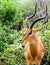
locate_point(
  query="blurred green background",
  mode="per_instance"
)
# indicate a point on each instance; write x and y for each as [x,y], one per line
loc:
[12,25]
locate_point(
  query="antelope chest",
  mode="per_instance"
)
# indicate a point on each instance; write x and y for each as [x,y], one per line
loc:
[30,51]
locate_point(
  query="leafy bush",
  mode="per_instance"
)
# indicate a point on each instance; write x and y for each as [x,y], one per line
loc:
[7,11]
[46,40]
[10,13]
[11,50]
[45,37]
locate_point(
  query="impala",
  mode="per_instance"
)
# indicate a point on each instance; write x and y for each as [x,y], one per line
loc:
[34,48]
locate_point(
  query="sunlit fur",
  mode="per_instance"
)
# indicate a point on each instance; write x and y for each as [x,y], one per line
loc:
[34,49]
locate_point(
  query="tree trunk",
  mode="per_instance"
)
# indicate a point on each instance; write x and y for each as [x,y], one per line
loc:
[41,9]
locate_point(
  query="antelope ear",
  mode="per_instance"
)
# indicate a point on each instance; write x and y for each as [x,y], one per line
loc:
[36,29]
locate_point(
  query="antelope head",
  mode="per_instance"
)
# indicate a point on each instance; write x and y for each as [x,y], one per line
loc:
[30,32]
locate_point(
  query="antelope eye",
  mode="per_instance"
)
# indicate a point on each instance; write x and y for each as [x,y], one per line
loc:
[30,33]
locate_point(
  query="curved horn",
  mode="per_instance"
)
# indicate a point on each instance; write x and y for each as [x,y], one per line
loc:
[27,24]
[45,18]
[36,21]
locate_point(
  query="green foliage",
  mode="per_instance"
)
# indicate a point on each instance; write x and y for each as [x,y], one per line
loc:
[11,50]
[9,12]
[45,37]
[9,56]
[27,6]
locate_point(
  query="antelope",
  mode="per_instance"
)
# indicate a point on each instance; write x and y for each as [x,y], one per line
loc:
[34,48]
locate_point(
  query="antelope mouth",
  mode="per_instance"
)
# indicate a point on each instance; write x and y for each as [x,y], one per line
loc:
[21,41]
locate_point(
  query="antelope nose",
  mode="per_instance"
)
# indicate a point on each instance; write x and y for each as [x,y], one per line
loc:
[21,41]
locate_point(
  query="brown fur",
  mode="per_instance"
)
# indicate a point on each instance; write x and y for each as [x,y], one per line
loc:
[34,49]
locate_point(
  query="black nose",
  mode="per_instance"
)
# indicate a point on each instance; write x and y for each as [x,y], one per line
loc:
[21,41]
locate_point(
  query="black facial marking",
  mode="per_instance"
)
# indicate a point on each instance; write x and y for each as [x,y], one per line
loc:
[30,32]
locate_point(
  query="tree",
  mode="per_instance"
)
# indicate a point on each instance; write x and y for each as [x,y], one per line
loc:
[40,10]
